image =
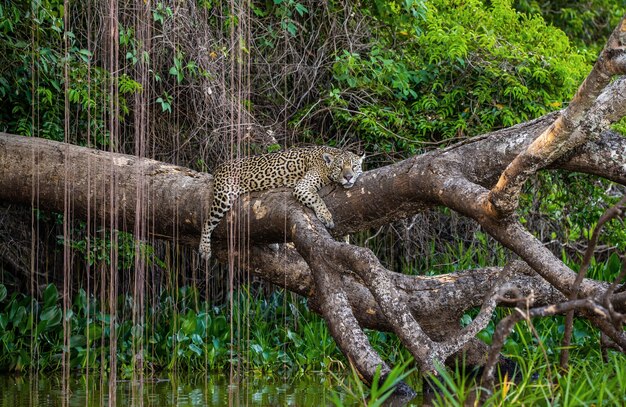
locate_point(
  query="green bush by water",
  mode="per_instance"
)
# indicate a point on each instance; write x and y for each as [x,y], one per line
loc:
[175,334]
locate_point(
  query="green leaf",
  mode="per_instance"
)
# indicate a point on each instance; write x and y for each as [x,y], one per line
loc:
[614,266]
[52,315]
[94,332]
[189,326]
[41,326]
[300,9]
[3,292]
[81,301]
[195,349]
[295,338]
[50,296]
[77,340]
[18,314]
[56,85]
[195,338]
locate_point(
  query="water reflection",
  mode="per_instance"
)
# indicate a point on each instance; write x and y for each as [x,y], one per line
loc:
[213,390]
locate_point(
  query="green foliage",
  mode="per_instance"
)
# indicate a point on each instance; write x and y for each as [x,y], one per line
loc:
[571,204]
[282,335]
[587,22]
[99,249]
[430,71]
[286,12]
[276,336]
[161,12]
[28,328]
[399,17]
[166,102]
[42,65]
[548,333]
[454,387]
[589,381]
[354,391]
[179,332]
[460,69]
[620,126]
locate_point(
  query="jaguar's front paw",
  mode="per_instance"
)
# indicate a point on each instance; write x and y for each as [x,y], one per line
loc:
[327,221]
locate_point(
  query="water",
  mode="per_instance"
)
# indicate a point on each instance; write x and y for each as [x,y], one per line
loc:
[213,390]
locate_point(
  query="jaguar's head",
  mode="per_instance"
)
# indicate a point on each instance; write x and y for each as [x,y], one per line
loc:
[345,167]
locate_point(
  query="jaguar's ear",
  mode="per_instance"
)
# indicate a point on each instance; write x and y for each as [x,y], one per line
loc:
[362,158]
[328,159]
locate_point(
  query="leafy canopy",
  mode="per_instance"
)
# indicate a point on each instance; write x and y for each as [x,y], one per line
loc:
[451,68]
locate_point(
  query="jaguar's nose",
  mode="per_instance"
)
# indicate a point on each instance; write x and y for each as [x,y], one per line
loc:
[348,177]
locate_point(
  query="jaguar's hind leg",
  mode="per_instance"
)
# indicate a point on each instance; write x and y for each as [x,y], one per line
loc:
[222,201]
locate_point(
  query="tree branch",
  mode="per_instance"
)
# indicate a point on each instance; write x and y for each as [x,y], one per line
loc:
[609,214]
[562,135]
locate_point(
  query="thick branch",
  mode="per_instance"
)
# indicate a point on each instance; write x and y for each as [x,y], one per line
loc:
[327,258]
[33,171]
[564,134]
[600,317]
[347,284]
[334,303]
[450,294]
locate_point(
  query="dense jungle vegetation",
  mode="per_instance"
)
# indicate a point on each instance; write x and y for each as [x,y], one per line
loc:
[392,78]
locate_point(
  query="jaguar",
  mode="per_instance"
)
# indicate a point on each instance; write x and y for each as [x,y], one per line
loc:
[305,169]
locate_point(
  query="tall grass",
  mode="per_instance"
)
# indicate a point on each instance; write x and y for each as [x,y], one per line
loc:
[589,381]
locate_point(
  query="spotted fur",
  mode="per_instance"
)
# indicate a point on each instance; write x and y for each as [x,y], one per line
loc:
[305,169]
